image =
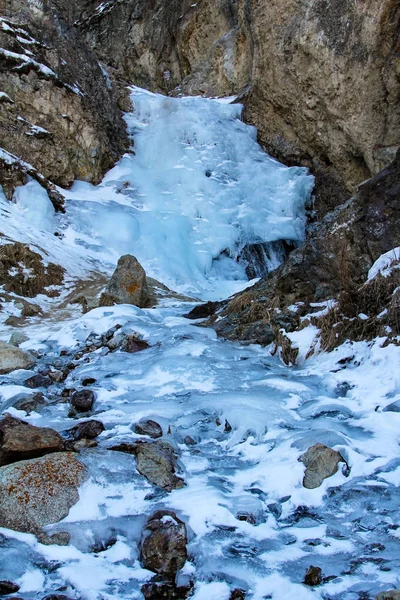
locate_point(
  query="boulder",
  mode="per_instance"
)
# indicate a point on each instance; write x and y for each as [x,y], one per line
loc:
[156,461]
[163,544]
[22,441]
[8,587]
[83,401]
[38,492]
[128,284]
[148,427]
[389,595]
[12,358]
[87,430]
[313,576]
[321,462]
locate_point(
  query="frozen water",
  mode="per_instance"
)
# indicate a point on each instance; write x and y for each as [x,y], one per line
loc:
[251,523]
[197,191]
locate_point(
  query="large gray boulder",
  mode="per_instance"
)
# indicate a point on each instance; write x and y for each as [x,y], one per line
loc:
[320,462]
[12,358]
[389,595]
[163,544]
[128,284]
[38,492]
[22,441]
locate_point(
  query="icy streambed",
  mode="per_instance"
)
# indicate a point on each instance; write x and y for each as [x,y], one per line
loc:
[196,192]
[191,382]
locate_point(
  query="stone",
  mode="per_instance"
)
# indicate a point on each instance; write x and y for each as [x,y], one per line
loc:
[313,576]
[17,338]
[37,381]
[22,441]
[83,401]
[156,461]
[165,590]
[389,595]
[40,491]
[29,403]
[132,344]
[88,381]
[80,444]
[128,284]
[148,427]
[163,544]
[12,358]
[8,587]
[320,462]
[87,429]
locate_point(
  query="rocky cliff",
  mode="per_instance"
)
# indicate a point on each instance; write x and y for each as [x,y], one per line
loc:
[319,79]
[59,118]
[325,281]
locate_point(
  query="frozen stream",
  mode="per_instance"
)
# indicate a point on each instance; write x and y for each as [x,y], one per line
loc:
[237,416]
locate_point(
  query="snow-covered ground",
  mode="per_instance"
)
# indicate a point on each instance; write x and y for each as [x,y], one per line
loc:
[197,185]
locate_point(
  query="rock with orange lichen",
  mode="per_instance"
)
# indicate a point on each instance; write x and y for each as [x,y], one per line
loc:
[128,284]
[40,491]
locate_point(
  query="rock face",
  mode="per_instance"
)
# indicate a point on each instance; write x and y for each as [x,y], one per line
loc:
[156,461]
[320,462]
[319,79]
[128,284]
[332,263]
[163,544]
[12,358]
[58,112]
[21,441]
[37,492]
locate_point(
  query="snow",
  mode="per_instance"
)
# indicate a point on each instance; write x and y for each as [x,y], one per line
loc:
[177,221]
[34,205]
[385,263]
[5,97]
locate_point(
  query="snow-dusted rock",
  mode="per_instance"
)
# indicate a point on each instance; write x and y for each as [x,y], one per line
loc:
[163,544]
[321,462]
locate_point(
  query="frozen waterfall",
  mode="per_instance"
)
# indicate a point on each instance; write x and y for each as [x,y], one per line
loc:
[194,192]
